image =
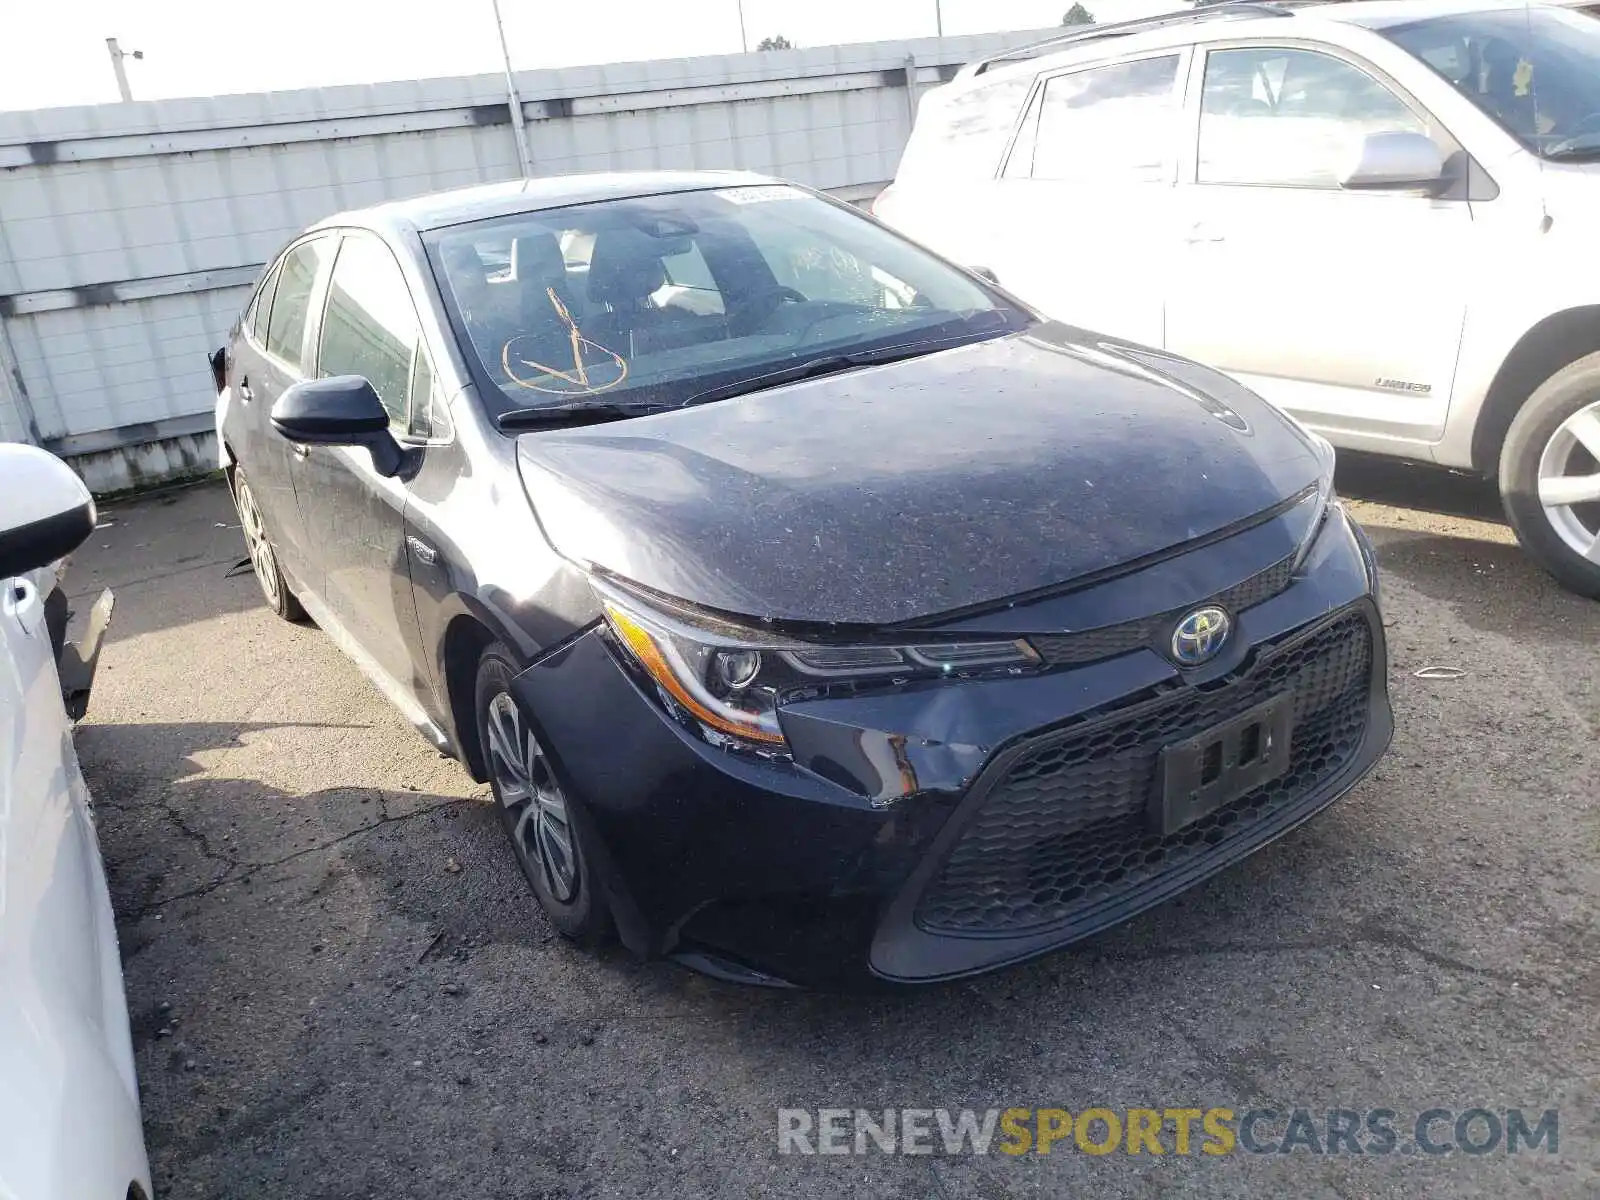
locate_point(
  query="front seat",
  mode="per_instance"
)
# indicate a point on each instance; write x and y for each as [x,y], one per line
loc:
[624,272]
[475,298]
[539,268]
[544,334]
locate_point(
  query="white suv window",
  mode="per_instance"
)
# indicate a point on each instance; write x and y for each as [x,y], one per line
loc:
[964,136]
[1106,123]
[1289,118]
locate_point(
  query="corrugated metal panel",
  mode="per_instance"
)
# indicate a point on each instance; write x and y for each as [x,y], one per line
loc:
[127,231]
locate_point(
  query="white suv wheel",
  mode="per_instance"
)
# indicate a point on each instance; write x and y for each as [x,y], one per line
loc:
[1569,481]
[1550,475]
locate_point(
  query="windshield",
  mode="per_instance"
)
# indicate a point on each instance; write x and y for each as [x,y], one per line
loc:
[1536,71]
[650,299]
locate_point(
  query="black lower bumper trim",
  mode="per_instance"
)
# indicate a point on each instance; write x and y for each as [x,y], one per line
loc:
[903,950]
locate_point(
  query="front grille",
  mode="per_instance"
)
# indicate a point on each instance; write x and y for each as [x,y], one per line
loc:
[1092,645]
[1065,830]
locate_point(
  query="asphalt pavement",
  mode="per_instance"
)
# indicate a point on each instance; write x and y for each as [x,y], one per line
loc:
[340,986]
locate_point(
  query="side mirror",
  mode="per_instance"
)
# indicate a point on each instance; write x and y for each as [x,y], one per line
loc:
[985,273]
[1397,160]
[219,368]
[341,411]
[45,511]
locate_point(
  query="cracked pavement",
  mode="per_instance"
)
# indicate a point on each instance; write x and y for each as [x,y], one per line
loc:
[340,987]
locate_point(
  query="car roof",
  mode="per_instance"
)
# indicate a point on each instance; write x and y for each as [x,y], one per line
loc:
[460,205]
[1213,22]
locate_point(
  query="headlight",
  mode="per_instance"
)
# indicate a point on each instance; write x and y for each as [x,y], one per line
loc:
[726,682]
[1317,505]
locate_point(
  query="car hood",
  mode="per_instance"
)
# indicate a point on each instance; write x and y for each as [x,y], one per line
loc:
[915,488]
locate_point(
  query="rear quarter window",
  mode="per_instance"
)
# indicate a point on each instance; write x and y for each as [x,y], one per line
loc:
[964,134]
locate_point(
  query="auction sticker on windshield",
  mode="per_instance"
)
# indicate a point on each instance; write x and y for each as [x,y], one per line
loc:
[760,194]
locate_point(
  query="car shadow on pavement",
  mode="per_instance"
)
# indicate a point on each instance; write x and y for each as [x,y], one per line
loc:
[1418,486]
[1444,533]
[357,977]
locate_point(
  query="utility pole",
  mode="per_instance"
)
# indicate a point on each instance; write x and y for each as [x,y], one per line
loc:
[117,55]
[938,16]
[512,98]
[744,42]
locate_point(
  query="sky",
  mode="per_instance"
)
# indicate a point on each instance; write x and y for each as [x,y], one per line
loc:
[53,52]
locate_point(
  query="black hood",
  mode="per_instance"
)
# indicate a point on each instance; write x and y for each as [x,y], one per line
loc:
[933,484]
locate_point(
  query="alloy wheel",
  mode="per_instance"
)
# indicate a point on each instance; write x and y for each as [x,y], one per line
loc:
[256,542]
[533,800]
[1569,482]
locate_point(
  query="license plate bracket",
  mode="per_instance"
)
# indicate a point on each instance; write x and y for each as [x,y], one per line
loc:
[1200,774]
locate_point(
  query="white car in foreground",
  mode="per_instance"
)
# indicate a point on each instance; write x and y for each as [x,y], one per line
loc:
[1380,216]
[69,1099]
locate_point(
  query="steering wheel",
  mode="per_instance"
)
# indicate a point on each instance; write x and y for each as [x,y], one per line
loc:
[759,311]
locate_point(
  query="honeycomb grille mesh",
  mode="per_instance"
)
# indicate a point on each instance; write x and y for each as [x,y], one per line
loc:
[1092,645]
[1066,829]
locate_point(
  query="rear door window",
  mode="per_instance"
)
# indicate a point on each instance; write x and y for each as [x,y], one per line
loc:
[291,301]
[1113,123]
[369,327]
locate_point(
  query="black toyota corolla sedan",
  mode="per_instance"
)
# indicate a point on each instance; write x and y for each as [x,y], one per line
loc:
[818,613]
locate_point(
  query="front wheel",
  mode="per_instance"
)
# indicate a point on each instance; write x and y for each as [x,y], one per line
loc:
[534,808]
[1550,475]
[263,558]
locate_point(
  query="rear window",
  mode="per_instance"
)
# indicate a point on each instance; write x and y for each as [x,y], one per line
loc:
[964,134]
[1105,124]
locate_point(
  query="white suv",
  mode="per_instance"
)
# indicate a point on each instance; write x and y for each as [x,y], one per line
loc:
[1383,217]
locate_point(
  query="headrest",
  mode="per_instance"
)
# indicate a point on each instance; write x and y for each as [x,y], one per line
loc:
[536,260]
[462,262]
[625,267]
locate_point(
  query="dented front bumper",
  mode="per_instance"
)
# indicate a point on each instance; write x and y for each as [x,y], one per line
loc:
[809,870]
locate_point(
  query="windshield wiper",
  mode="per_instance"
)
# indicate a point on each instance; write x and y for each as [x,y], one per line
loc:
[1575,148]
[1585,151]
[826,364]
[560,414]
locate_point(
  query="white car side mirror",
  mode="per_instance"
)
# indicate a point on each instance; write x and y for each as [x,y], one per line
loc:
[1396,160]
[45,510]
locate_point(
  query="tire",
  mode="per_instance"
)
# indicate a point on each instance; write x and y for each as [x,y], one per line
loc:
[535,808]
[1553,451]
[263,557]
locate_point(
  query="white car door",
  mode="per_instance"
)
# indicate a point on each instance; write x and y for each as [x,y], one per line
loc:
[1082,220]
[69,1100]
[1343,307]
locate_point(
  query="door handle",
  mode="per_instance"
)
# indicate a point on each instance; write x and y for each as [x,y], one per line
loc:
[425,553]
[245,393]
[300,451]
[25,606]
[1202,234]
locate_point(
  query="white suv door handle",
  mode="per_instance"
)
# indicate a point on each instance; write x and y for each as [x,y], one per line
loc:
[1201,233]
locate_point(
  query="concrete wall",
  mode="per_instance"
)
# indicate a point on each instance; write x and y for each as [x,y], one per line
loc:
[129,232]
